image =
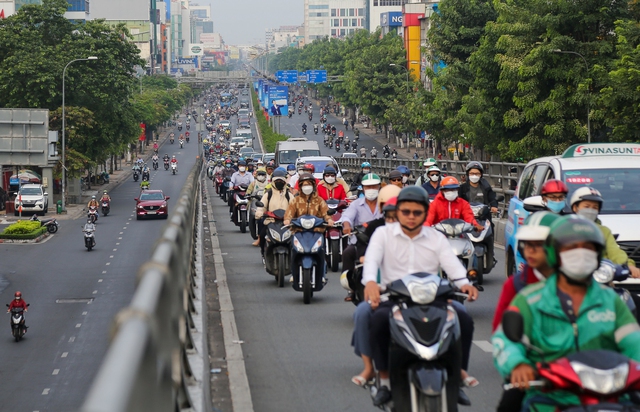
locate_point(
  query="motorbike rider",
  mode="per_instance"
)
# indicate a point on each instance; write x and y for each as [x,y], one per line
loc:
[93,202]
[174,160]
[328,187]
[363,151]
[395,178]
[304,127]
[424,178]
[406,174]
[270,166]
[365,169]
[155,157]
[241,177]
[145,184]
[587,202]
[218,169]
[306,168]
[292,174]
[447,205]
[394,153]
[374,152]
[577,312]
[432,185]
[105,197]
[395,251]
[145,171]
[166,158]
[554,195]
[18,302]
[259,184]
[278,196]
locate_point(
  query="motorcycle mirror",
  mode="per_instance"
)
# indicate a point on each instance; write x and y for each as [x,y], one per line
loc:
[331,212]
[533,204]
[500,198]
[7,305]
[259,204]
[28,304]
[513,325]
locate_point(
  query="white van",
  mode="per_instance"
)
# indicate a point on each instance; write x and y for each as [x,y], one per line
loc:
[248,136]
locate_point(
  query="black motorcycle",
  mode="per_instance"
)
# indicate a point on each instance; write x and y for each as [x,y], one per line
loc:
[277,250]
[155,165]
[18,329]
[50,224]
[136,176]
[166,165]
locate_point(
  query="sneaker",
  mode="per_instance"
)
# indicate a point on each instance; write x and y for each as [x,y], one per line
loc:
[263,262]
[324,281]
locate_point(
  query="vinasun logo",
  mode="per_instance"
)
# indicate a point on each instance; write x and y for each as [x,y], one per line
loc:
[606,150]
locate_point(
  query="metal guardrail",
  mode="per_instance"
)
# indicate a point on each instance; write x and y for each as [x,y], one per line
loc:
[146,367]
[502,176]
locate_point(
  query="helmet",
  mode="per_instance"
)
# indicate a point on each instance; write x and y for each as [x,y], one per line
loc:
[329,170]
[414,194]
[429,162]
[365,164]
[390,204]
[586,193]
[259,162]
[291,166]
[570,229]
[174,156]
[395,174]
[554,186]
[370,179]
[93,197]
[18,294]
[271,164]
[104,192]
[306,177]
[242,163]
[279,173]
[474,165]
[403,169]
[449,182]
[536,226]
[262,171]
[433,169]
[387,193]
[309,166]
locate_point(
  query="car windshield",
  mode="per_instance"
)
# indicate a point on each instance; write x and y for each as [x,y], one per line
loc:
[237,140]
[31,191]
[620,188]
[319,164]
[290,156]
[151,196]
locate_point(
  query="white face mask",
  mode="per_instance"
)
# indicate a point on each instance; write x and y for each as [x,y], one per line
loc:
[261,178]
[291,172]
[307,190]
[366,171]
[242,168]
[405,179]
[371,194]
[474,179]
[588,213]
[450,196]
[578,264]
[330,179]
[434,178]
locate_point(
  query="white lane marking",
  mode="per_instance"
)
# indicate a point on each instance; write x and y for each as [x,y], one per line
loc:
[56,371]
[125,227]
[78,325]
[117,244]
[130,218]
[72,339]
[108,263]
[64,354]
[485,345]
[111,257]
[115,250]
[120,234]
[95,292]
[104,271]
[119,237]
[99,280]
[84,313]
[128,222]
[46,391]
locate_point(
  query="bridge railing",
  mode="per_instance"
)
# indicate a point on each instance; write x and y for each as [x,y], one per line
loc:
[148,366]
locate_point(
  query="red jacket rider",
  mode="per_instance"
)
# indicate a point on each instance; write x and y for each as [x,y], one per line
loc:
[453,208]
[17,302]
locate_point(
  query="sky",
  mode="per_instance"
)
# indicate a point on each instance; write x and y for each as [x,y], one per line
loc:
[242,22]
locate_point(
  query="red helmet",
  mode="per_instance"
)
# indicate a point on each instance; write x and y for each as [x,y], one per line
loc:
[18,294]
[554,186]
[309,166]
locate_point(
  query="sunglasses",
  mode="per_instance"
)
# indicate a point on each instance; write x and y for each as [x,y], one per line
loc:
[398,179]
[415,213]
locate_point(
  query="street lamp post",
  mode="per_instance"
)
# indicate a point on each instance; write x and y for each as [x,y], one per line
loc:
[589,92]
[64,167]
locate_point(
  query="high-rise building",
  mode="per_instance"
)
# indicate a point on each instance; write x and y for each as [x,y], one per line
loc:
[284,36]
[376,7]
[77,10]
[334,18]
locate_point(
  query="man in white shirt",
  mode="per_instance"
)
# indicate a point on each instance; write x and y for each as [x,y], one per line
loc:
[397,250]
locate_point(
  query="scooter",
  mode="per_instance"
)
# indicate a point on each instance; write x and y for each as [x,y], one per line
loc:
[227,187]
[136,176]
[352,280]
[308,266]
[186,138]
[253,223]
[166,165]
[480,240]
[456,231]
[155,165]
[181,143]
[89,238]
[93,214]
[50,224]
[174,168]
[394,155]
[337,147]
[608,273]
[386,154]
[171,140]
[17,323]
[424,332]
[240,207]
[333,235]
[218,183]
[315,129]
[277,250]
[304,130]
[598,377]
[106,207]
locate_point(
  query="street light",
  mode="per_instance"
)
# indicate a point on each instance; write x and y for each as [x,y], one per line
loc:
[589,92]
[64,168]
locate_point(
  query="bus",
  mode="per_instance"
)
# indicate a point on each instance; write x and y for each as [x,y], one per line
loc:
[226,99]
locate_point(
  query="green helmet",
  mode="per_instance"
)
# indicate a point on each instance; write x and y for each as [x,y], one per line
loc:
[429,162]
[370,179]
[571,229]
[536,228]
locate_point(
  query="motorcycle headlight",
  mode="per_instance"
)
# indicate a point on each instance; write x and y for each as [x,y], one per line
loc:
[602,381]
[468,251]
[422,293]
[308,223]
[297,245]
[604,273]
[317,245]
[275,235]
[286,235]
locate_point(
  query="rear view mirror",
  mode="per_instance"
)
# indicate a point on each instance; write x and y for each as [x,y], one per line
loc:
[500,198]
[259,204]
[167,197]
[331,212]
[513,325]
[534,204]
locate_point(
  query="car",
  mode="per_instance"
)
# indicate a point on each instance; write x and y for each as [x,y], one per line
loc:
[246,152]
[611,168]
[236,143]
[349,155]
[225,124]
[33,198]
[152,203]
[257,156]
[243,112]
[319,162]
[268,156]
[243,122]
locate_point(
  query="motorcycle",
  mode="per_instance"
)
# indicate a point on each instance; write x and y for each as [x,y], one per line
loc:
[253,223]
[166,165]
[277,250]
[241,202]
[174,168]
[386,154]
[155,165]
[290,114]
[218,183]
[89,237]
[179,129]
[50,224]
[188,126]
[308,264]
[347,146]
[608,273]
[136,176]
[227,187]
[598,377]
[181,143]
[17,323]
[310,117]
[187,138]
[394,155]
[315,129]
[424,330]
[337,146]
[92,214]
[331,144]
[145,175]
[333,235]
[171,140]
[304,130]
[106,207]
[482,239]
[456,231]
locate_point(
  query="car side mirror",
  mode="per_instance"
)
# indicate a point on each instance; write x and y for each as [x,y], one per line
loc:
[533,204]
[513,325]
[46,193]
[167,197]
[136,199]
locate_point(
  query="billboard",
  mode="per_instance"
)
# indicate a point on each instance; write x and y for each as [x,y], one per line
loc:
[7,8]
[24,137]
[391,19]
[265,96]
[316,76]
[195,49]
[278,100]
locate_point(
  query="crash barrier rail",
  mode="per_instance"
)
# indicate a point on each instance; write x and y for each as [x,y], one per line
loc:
[502,176]
[149,365]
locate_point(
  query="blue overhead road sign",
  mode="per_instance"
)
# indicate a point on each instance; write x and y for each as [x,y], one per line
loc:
[289,76]
[316,76]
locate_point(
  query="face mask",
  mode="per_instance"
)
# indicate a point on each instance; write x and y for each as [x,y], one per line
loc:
[228,166]
[366,171]
[474,179]
[291,172]
[242,169]
[555,206]
[18,298]
[279,184]
[307,190]
[578,264]
[330,179]
[434,178]
[451,196]
[371,194]
[591,214]
[261,178]
[405,179]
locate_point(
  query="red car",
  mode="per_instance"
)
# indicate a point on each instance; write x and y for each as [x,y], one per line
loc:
[152,203]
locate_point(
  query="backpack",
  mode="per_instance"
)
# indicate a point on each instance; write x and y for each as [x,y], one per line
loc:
[270,195]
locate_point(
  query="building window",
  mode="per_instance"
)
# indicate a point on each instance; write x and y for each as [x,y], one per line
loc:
[375,3]
[354,22]
[360,12]
[342,32]
[333,32]
[342,12]
[318,6]
[351,31]
[334,12]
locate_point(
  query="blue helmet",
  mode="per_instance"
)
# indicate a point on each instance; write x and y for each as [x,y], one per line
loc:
[290,166]
[365,164]
[403,169]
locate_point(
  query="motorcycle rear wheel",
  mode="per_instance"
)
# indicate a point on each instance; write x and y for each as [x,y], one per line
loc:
[480,269]
[52,229]
[243,222]
[17,335]
[335,255]
[281,269]
[307,293]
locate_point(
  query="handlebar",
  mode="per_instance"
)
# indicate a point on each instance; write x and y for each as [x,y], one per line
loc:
[533,384]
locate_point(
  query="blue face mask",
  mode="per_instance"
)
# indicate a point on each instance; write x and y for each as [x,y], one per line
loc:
[556,206]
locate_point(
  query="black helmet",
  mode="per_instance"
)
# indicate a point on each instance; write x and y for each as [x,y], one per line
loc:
[474,165]
[242,163]
[329,170]
[414,194]
[306,177]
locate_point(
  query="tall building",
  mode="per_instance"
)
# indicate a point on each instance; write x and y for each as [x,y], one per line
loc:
[334,18]
[77,10]
[284,36]
[377,7]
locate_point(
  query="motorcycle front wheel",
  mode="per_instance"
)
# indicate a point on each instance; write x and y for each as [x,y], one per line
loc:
[335,255]
[243,222]
[17,334]
[307,293]
[281,264]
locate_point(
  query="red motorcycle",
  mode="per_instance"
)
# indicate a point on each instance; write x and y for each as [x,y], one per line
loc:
[240,215]
[218,182]
[598,377]
[333,235]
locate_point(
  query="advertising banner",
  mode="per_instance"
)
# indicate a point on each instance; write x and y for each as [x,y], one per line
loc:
[260,89]
[195,49]
[265,96]
[278,100]
[7,8]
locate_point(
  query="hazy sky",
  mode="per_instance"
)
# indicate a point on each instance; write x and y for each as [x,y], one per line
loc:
[245,21]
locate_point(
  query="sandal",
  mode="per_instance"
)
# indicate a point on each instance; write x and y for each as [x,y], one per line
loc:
[470,382]
[362,381]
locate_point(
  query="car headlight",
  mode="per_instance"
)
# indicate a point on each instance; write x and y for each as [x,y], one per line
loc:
[422,293]
[602,381]
[317,245]
[286,235]
[140,207]
[298,245]
[275,235]
[308,223]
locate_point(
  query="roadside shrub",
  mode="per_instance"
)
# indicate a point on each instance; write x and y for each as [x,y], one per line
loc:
[21,227]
